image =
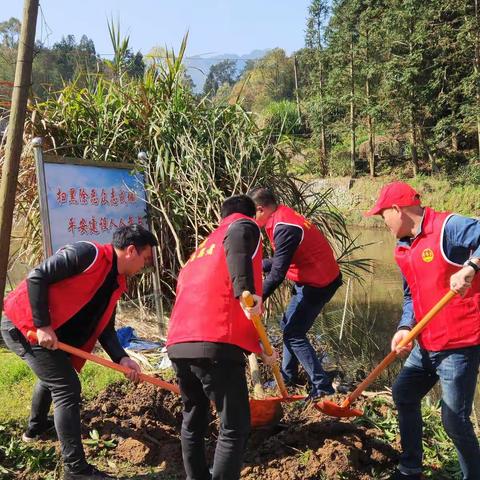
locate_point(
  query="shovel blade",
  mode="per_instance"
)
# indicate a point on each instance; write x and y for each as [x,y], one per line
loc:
[268,411]
[330,408]
[265,412]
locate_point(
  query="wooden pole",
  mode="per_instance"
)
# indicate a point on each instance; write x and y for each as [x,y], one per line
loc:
[21,86]
[353,113]
[157,252]
[297,98]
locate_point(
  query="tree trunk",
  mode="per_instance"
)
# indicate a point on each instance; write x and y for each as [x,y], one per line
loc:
[454,140]
[413,143]
[16,123]
[477,71]
[431,156]
[352,111]
[323,140]
[370,123]
[413,123]
[371,133]
[371,145]
[297,98]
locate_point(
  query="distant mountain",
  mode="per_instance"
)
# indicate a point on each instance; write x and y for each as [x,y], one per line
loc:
[199,66]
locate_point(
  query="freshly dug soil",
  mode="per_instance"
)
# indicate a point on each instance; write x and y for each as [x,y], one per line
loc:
[143,419]
[145,422]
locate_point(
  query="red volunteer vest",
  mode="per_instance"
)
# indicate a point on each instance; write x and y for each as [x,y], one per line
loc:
[428,271]
[67,297]
[205,309]
[313,263]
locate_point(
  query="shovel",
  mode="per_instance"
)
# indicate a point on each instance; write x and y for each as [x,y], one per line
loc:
[264,411]
[344,410]
[32,336]
[257,407]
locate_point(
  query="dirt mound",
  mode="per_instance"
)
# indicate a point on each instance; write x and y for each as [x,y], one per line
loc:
[134,451]
[319,447]
[143,419]
[145,422]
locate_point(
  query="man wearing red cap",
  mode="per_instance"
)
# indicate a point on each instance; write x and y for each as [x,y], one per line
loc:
[436,251]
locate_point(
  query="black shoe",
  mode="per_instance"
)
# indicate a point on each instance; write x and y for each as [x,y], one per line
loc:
[90,473]
[400,476]
[314,397]
[34,434]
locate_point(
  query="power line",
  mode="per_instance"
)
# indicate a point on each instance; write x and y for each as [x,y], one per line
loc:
[44,25]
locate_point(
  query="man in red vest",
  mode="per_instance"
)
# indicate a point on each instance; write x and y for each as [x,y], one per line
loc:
[304,256]
[71,297]
[436,251]
[208,335]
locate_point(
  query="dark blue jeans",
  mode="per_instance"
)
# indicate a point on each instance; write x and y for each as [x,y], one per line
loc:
[457,371]
[304,307]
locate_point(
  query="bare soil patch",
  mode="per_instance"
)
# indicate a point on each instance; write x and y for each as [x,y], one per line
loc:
[145,422]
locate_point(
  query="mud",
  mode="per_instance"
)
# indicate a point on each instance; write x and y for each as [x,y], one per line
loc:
[145,423]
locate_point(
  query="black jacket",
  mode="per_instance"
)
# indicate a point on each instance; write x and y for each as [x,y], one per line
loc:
[67,262]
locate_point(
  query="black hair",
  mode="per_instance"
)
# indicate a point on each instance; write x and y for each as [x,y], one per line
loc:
[135,235]
[238,204]
[263,197]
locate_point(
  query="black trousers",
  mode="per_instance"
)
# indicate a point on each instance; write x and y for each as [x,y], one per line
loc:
[222,382]
[57,381]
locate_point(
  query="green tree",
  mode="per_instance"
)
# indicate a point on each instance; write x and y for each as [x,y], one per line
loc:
[270,79]
[9,35]
[469,36]
[409,68]
[224,72]
[315,41]
[372,54]
[135,66]
[343,38]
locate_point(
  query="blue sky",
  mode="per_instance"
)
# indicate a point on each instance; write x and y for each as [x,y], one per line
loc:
[221,26]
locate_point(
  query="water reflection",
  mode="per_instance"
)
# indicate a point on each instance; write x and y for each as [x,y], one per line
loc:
[360,320]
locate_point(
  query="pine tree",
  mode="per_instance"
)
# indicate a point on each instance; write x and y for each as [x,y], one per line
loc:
[314,40]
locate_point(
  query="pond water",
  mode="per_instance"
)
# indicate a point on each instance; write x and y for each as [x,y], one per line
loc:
[371,308]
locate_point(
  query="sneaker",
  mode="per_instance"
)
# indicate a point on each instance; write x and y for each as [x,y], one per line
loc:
[90,473]
[34,434]
[272,385]
[314,397]
[341,388]
[401,476]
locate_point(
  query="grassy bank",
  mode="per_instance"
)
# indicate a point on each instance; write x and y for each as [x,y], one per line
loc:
[16,385]
[439,193]
[17,380]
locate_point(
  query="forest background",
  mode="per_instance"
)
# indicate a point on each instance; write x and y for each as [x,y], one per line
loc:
[380,86]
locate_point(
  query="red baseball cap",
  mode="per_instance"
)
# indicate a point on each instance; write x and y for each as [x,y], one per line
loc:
[395,193]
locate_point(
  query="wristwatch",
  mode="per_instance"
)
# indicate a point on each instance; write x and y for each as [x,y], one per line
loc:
[469,263]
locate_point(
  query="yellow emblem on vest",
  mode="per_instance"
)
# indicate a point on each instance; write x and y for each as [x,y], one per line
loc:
[427,255]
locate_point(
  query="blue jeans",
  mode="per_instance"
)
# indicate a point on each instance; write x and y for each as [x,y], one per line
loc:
[305,305]
[457,371]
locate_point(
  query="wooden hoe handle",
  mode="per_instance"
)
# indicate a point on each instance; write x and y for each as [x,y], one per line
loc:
[32,336]
[414,332]
[248,300]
